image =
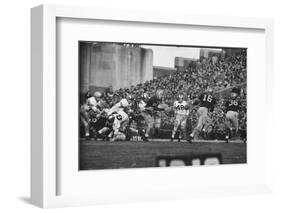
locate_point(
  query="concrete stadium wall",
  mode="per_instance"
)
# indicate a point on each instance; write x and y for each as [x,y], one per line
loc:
[113,65]
[163,71]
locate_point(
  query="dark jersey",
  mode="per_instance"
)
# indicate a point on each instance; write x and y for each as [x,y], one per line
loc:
[207,100]
[97,122]
[153,102]
[232,105]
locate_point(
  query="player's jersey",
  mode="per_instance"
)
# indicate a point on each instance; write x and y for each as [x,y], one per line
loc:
[207,100]
[92,101]
[153,103]
[119,106]
[232,105]
[150,106]
[93,104]
[181,108]
[97,122]
[121,116]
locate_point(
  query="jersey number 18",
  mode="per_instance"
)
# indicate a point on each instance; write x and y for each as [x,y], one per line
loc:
[208,98]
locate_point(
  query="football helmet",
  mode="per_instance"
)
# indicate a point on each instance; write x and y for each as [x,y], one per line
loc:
[233,95]
[97,94]
[180,97]
[210,90]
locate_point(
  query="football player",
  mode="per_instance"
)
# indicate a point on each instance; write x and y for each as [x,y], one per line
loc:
[151,112]
[93,101]
[84,118]
[96,122]
[181,112]
[135,131]
[231,117]
[207,102]
[158,106]
[120,121]
[89,112]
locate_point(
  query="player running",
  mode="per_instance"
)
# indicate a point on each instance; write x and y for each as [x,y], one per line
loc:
[231,118]
[207,102]
[150,110]
[181,112]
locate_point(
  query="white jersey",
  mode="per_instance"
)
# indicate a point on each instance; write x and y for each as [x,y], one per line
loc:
[121,116]
[181,108]
[119,106]
[92,103]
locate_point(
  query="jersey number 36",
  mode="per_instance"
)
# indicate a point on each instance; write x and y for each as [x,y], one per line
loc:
[233,102]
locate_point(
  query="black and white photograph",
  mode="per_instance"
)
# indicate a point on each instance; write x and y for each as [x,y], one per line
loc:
[160,105]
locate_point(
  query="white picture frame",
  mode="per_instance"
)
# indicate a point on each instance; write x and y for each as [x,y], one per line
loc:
[44,92]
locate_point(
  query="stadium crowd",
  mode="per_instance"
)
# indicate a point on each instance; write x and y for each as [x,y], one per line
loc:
[221,74]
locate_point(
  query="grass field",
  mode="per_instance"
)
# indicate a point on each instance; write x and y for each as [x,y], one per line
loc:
[128,154]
